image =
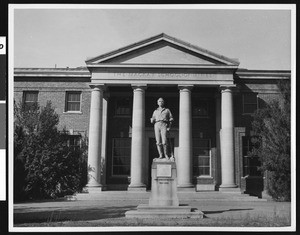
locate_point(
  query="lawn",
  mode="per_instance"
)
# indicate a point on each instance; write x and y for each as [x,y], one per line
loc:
[112,214]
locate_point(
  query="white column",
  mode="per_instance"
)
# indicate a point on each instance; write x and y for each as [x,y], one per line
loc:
[218,127]
[138,139]
[103,148]
[184,161]
[227,139]
[95,136]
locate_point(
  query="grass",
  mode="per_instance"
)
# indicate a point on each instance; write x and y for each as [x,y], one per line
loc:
[110,214]
[243,221]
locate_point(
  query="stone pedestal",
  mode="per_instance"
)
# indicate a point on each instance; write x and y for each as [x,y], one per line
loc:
[163,184]
[163,202]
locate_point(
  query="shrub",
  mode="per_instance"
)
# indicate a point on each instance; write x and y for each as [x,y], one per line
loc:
[272,124]
[45,166]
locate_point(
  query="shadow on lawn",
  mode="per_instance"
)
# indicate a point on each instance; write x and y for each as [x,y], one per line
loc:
[222,211]
[58,215]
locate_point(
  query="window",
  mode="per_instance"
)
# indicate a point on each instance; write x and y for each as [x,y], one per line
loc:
[250,163]
[250,103]
[122,106]
[74,141]
[73,101]
[30,97]
[201,157]
[121,156]
[200,109]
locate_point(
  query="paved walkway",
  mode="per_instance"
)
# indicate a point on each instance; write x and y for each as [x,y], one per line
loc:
[98,210]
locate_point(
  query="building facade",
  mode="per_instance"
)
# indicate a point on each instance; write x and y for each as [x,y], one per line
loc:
[112,98]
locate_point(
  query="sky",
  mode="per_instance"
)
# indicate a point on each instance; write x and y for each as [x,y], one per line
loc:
[45,38]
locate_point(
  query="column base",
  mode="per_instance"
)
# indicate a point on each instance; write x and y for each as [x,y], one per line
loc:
[93,184]
[94,189]
[137,188]
[230,188]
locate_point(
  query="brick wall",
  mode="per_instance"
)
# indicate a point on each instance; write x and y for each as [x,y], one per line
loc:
[266,90]
[55,91]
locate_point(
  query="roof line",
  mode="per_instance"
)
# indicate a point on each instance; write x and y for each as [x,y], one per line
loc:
[125,48]
[161,36]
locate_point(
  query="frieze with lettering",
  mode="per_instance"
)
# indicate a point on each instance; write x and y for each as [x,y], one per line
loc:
[157,78]
[166,75]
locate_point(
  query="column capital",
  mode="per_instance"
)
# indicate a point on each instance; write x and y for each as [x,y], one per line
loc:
[227,88]
[185,87]
[139,86]
[101,87]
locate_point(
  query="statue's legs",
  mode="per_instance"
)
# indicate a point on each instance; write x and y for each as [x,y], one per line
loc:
[163,132]
[160,129]
[160,151]
[165,146]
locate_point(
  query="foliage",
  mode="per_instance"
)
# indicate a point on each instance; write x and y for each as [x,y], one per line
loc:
[45,166]
[272,125]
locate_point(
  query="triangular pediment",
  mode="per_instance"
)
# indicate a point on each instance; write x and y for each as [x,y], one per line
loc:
[161,53]
[162,50]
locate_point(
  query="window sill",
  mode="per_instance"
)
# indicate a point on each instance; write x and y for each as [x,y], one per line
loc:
[72,112]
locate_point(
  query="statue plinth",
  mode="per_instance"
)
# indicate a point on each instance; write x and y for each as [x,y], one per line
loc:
[163,184]
[163,202]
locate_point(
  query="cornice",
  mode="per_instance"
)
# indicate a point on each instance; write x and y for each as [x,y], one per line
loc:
[158,38]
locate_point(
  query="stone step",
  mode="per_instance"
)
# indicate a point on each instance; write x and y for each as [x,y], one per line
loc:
[147,208]
[182,196]
[146,211]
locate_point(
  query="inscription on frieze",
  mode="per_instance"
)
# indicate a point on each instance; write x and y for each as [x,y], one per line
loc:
[165,75]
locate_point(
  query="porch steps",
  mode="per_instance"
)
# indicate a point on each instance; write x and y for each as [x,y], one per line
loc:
[182,196]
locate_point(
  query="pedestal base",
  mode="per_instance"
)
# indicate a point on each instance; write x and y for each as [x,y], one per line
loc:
[163,201]
[182,212]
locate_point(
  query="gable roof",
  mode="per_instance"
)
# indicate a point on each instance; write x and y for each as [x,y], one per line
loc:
[189,49]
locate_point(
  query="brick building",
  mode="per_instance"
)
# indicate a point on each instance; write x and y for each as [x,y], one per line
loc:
[112,98]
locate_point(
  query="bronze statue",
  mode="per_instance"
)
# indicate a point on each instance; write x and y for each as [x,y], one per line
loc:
[162,119]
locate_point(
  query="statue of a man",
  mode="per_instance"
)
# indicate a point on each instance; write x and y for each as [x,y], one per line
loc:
[162,119]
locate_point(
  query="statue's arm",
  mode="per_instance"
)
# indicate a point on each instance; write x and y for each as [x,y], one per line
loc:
[171,119]
[152,120]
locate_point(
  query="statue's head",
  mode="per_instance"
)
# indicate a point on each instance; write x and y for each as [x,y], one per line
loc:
[160,102]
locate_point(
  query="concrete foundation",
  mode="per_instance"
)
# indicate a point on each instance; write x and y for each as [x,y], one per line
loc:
[163,202]
[146,211]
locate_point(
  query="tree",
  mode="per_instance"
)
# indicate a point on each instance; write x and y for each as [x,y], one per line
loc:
[49,167]
[272,125]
